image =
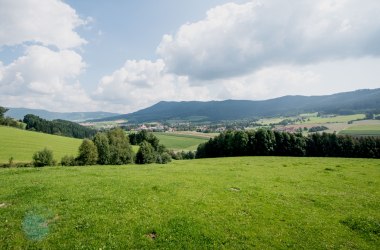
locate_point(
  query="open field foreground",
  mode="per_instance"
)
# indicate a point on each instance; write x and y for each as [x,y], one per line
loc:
[232,203]
[22,144]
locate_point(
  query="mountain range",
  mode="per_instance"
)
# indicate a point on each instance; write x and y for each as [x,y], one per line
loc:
[19,113]
[359,101]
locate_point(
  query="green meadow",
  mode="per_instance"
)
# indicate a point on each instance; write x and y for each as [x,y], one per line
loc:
[362,130]
[21,144]
[225,203]
[179,142]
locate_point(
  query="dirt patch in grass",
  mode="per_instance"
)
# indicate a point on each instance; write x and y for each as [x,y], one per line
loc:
[152,235]
[235,189]
[3,205]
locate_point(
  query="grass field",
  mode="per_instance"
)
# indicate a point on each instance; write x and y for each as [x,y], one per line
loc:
[338,118]
[362,130]
[21,144]
[227,203]
[177,141]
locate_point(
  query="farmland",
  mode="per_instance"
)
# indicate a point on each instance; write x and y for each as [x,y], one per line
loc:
[21,144]
[234,203]
[181,141]
[362,130]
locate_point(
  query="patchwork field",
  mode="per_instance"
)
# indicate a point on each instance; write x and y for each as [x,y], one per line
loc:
[21,144]
[362,130]
[232,203]
[181,141]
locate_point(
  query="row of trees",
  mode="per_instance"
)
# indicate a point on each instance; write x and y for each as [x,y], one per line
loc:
[114,148]
[58,127]
[266,142]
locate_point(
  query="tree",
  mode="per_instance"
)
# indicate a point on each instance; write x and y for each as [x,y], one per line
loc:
[68,160]
[88,153]
[2,112]
[102,144]
[120,150]
[43,158]
[145,154]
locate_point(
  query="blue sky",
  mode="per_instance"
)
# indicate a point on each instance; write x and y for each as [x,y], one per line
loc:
[122,56]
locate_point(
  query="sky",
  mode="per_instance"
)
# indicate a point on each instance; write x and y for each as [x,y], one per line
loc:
[122,56]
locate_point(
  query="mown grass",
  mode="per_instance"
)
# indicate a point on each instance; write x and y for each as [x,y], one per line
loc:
[180,141]
[362,130]
[232,203]
[21,144]
[338,118]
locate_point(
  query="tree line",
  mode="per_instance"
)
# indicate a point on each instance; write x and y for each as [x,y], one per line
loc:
[114,148]
[8,121]
[265,142]
[57,127]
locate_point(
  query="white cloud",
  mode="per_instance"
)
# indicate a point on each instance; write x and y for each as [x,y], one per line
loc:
[44,78]
[142,83]
[237,39]
[48,22]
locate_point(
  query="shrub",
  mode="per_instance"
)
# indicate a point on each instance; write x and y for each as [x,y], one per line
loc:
[68,161]
[146,153]
[43,158]
[163,158]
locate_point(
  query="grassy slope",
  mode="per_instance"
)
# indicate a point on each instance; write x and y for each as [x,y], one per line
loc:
[21,144]
[179,141]
[364,130]
[233,203]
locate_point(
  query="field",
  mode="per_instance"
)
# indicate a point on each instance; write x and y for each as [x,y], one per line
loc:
[21,144]
[333,119]
[362,130]
[231,203]
[181,141]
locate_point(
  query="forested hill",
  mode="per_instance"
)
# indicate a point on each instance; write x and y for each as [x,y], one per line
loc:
[58,127]
[341,103]
[19,113]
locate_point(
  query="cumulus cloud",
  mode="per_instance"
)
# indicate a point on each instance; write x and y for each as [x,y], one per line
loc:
[237,39]
[43,78]
[142,83]
[48,22]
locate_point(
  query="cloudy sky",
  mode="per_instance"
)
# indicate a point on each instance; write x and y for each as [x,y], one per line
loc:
[122,56]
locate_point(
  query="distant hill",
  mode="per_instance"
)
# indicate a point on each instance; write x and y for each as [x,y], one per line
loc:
[365,100]
[19,113]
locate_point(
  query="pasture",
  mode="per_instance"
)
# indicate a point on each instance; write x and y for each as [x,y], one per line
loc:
[180,141]
[232,203]
[362,130]
[22,144]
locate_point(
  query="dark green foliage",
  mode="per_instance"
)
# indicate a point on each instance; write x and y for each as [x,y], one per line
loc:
[68,161]
[146,154]
[317,129]
[102,144]
[58,127]
[182,155]
[265,142]
[43,158]
[120,150]
[163,158]
[88,153]
[2,112]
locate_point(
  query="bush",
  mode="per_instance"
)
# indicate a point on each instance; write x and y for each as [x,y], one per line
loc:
[163,158]
[68,161]
[146,154]
[43,158]
[88,153]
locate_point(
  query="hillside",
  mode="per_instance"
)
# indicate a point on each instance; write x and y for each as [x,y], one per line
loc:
[21,144]
[359,101]
[19,113]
